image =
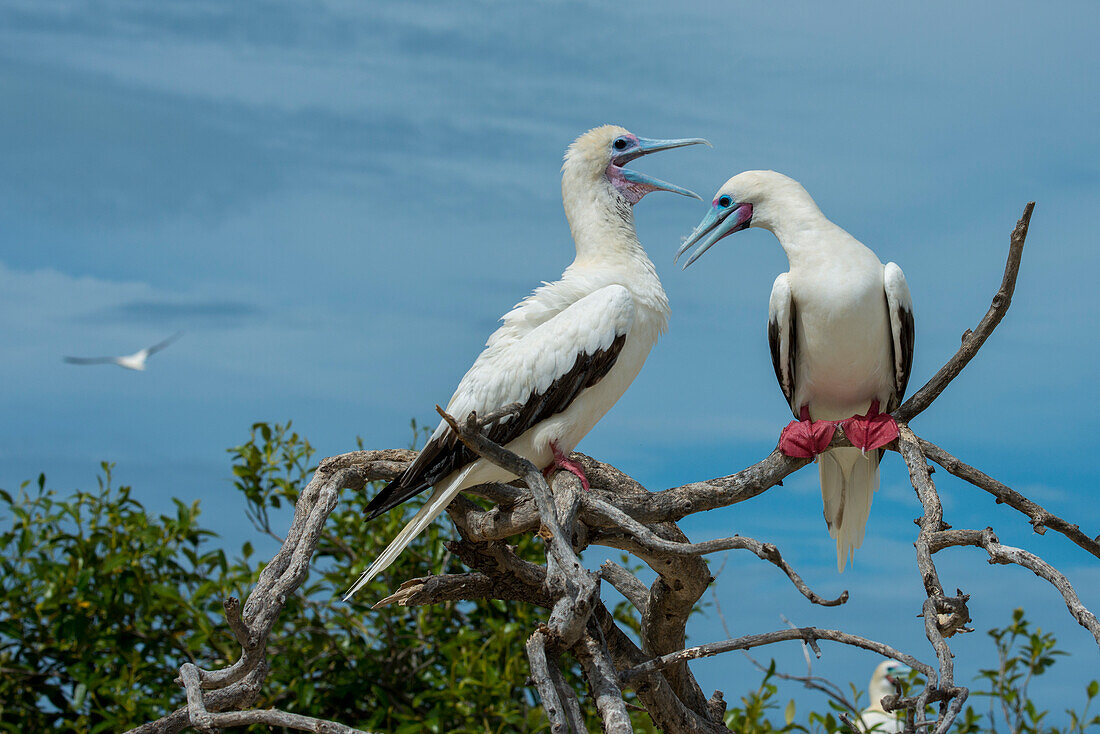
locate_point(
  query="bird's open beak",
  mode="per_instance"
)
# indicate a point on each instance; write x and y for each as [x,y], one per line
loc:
[645,146]
[718,223]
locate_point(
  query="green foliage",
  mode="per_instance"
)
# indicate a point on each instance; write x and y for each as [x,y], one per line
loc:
[1022,654]
[101,601]
[455,667]
[753,714]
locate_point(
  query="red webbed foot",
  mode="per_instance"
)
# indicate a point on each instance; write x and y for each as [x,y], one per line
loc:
[805,439]
[871,431]
[561,461]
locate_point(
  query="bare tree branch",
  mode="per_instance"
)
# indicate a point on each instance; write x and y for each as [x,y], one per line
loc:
[810,635]
[1040,518]
[973,340]
[619,512]
[942,616]
[552,703]
[565,573]
[437,589]
[603,679]
[626,584]
[650,540]
[1006,554]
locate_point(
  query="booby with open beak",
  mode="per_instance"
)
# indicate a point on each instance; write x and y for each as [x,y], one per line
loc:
[567,352]
[840,326]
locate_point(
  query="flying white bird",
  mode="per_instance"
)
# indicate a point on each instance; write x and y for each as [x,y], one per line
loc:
[875,718]
[840,325]
[135,361]
[567,352]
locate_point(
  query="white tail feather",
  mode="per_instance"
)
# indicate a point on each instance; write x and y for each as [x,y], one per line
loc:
[849,479]
[442,495]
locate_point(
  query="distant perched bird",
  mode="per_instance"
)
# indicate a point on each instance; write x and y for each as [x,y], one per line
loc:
[840,325]
[567,352]
[135,361]
[874,717]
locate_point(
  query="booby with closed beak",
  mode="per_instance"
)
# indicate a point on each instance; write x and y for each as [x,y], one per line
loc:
[875,718]
[840,326]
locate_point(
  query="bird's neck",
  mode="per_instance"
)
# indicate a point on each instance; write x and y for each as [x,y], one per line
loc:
[602,226]
[878,691]
[809,239]
[608,250]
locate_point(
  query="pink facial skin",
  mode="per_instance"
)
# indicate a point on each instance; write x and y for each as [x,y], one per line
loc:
[741,216]
[632,191]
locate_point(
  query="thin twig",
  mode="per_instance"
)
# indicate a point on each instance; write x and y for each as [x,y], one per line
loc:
[973,340]
[764,551]
[808,634]
[1005,554]
[1041,519]
[626,584]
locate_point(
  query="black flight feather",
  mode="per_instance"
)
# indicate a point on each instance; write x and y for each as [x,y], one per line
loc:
[445,454]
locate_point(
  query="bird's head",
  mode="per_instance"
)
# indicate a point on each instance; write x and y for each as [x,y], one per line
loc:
[596,162]
[884,678]
[749,199]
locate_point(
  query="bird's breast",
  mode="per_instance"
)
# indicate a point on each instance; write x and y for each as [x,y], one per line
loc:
[843,346]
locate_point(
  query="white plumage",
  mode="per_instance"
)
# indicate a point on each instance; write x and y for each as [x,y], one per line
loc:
[568,351]
[875,718]
[135,361]
[840,326]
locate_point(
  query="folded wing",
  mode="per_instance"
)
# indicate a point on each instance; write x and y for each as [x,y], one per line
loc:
[781,337]
[544,370]
[902,327]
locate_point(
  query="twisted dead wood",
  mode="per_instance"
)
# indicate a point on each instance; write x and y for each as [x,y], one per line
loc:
[621,513]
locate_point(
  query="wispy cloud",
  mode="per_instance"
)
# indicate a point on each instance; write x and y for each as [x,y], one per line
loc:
[338,199]
[216,314]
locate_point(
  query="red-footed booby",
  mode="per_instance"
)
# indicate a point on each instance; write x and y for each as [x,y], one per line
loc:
[135,361]
[567,352]
[875,718]
[840,325]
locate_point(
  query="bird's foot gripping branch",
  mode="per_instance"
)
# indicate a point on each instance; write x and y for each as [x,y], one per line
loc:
[620,513]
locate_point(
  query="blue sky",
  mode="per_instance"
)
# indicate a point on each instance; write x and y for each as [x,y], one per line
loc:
[336,200]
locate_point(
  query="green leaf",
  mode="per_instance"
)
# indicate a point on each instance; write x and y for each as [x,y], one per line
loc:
[788,713]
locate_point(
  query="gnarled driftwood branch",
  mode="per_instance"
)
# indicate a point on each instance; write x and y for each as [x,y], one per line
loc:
[619,512]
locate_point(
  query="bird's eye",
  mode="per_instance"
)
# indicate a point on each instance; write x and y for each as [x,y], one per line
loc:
[620,143]
[724,202]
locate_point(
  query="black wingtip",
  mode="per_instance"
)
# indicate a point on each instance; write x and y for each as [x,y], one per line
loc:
[378,504]
[390,496]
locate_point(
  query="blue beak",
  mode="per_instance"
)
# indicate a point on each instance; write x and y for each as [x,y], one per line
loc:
[719,222]
[656,183]
[645,146]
